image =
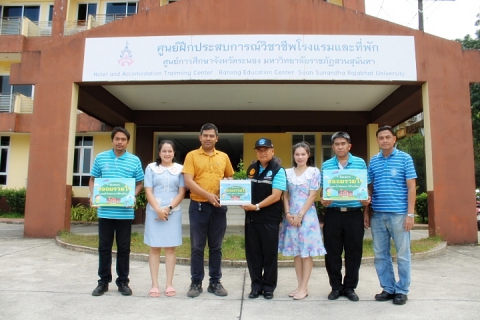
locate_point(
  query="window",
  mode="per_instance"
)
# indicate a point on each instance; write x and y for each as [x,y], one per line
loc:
[310,138]
[82,162]
[121,9]
[50,14]
[327,147]
[30,12]
[5,85]
[4,147]
[86,9]
[25,89]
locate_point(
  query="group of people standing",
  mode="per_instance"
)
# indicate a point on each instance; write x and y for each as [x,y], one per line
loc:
[282,217]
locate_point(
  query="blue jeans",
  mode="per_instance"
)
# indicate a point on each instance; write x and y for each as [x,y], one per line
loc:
[206,223]
[386,226]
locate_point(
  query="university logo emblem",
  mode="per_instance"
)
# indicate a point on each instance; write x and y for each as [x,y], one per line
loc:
[269,173]
[261,141]
[393,172]
[252,172]
[126,57]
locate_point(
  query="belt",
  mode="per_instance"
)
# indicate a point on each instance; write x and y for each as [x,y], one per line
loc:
[345,209]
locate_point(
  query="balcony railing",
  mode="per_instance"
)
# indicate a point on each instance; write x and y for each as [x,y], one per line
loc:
[5,102]
[93,21]
[10,26]
[22,104]
[26,27]
[15,103]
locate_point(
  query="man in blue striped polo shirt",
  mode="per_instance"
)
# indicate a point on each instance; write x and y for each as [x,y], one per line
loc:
[115,163]
[343,228]
[393,201]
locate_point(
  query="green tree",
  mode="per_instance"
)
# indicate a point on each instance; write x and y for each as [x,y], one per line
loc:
[415,146]
[474,43]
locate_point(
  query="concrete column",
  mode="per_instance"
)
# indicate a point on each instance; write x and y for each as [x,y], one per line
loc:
[60,8]
[372,145]
[132,128]
[449,160]
[49,187]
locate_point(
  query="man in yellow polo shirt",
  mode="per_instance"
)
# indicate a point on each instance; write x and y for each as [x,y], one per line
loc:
[203,169]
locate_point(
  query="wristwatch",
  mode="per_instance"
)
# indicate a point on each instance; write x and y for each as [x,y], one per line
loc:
[258,207]
[170,208]
[411,215]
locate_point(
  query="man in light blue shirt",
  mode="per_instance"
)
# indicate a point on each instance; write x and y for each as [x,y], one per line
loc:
[115,163]
[393,192]
[343,228]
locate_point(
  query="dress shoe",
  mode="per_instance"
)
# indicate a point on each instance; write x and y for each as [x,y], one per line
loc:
[351,295]
[400,299]
[100,289]
[334,294]
[254,294]
[124,289]
[384,296]
[268,295]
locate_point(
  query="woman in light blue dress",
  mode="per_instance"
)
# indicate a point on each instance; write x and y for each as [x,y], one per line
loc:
[300,234]
[165,190]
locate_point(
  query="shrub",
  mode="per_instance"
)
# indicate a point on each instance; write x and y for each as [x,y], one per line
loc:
[241,174]
[82,213]
[141,201]
[421,206]
[15,199]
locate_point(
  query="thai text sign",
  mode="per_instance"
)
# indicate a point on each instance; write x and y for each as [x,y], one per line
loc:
[345,185]
[235,192]
[250,57]
[118,192]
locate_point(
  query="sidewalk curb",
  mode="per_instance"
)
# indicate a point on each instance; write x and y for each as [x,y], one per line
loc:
[439,249]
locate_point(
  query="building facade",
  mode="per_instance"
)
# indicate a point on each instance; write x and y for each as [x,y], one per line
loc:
[295,70]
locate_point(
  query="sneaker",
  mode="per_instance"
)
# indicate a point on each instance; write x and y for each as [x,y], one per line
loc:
[100,289]
[217,289]
[124,289]
[194,290]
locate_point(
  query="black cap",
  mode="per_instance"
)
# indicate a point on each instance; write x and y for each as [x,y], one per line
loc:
[263,142]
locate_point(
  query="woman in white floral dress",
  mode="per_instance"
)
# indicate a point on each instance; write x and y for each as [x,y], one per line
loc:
[300,234]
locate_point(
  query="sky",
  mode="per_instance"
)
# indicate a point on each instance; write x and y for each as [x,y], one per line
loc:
[450,19]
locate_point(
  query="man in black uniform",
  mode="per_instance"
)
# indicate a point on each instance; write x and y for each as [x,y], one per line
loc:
[262,220]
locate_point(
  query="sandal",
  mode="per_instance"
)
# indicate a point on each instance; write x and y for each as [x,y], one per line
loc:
[293,293]
[298,297]
[154,293]
[170,292]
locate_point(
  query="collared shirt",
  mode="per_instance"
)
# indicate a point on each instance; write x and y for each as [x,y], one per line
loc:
[207,170]
[279,181]
[108,165]
[352,163]
[389,176]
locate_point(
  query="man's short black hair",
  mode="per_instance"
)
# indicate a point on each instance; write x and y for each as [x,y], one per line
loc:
[341,134]
[120,129]
[389,128]
[209,126]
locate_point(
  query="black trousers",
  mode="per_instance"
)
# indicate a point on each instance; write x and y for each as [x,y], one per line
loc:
[343,231]
[261,249]
[122,229]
